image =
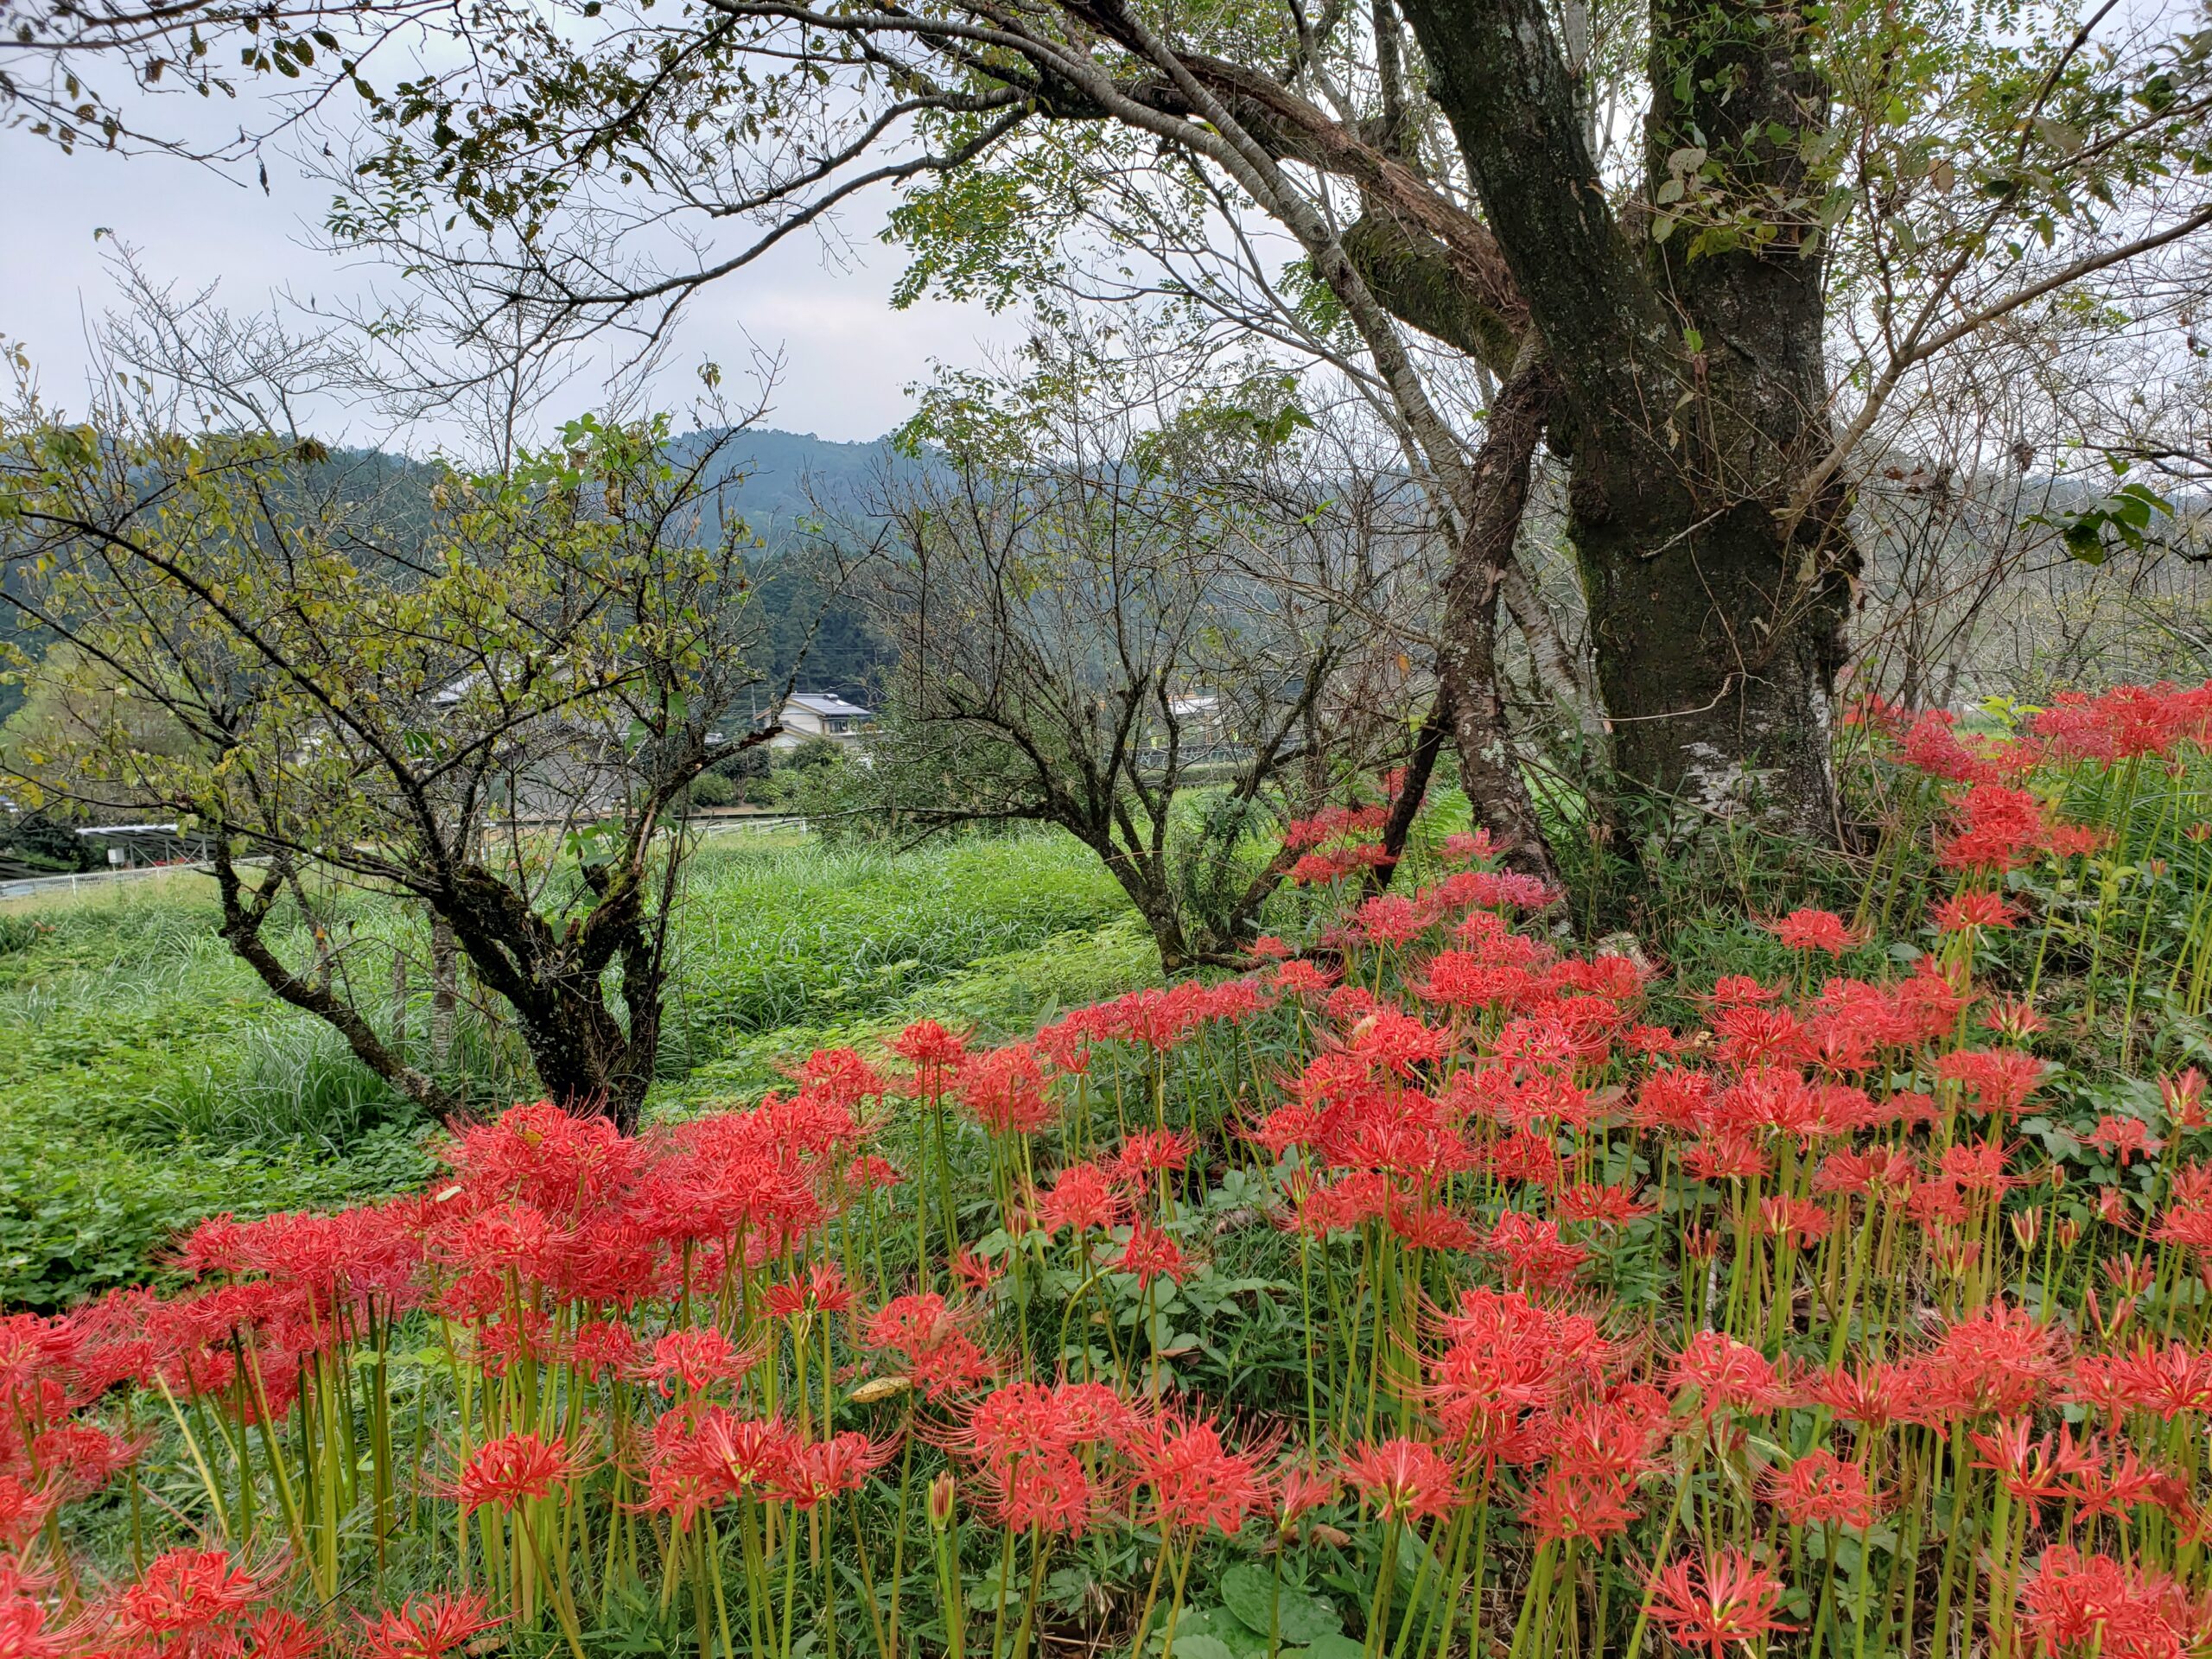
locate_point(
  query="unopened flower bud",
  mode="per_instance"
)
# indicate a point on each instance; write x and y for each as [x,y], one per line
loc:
[940,1502]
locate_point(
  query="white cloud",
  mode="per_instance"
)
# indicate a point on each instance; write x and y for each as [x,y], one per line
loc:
[847,357]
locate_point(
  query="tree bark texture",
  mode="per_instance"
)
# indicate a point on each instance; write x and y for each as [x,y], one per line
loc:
[1467,672]
[1692,391]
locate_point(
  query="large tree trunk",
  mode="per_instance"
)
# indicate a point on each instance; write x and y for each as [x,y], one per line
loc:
[589,1066]
[1716,675]
[591,1061]
[1693,392]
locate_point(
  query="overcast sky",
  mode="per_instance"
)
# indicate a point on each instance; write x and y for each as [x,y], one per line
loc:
[848,358]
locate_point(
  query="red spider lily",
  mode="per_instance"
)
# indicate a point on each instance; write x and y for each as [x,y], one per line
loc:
[1568,1505]
[1716,1601]
[1977,1168]
[825,1469]
[602,1346]
[1395,1042]
[1751,1036]
[871,1175]
[1930,746]
[1727,1374]
[1997,1360]
[1151,1254]
[1798,1220]
[1299,977]
[427,1627]
[1533,1254]
[1820,1488]
[1612,1206]
[1877,1170]
[1468,849]
[1613,1438]
[1678,1102]
[1050,1492]
[545,1157]
[1461,979]
[1742,990]
[823,1288]
[1814,930]
[694,1359]
[1195,1481]
[1973,913]
[272,1633]
[184,1590]
[1996,1080]
[1300,1490]
[748,1452]
[1405,1478]
[935,1054]
[1333,824]
[1004,1091]
[2115,1487]
[2096,1604]
[1999,829]
[1872,1394]
[941,1357]
[1151,1153]
[2167,1381]
[976,1274]
[2183,1096]
[1390,919]
[1876,713]
[2122,1137]
[1066,1045]
[1025,1435]
[24,1633]
[2121,724]
[1025,1418]
[506,1470]
[840,1074]
[1651,1041]
[1084,1198]
[2013,1018]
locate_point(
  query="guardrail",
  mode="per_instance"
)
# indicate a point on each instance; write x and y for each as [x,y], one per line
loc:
[30,886]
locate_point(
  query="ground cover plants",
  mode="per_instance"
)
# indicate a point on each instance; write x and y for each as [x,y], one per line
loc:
[1430,1288]
[147,1079]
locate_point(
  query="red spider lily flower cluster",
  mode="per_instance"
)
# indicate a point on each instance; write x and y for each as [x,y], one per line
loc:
[1623,1297]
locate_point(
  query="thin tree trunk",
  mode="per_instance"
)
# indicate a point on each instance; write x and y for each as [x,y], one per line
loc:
[244,911]
[1490,770]
[399,993]
[1414,792]
[445,990]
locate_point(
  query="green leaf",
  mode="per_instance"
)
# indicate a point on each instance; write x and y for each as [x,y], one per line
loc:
[1201,1647]
[1248,1590]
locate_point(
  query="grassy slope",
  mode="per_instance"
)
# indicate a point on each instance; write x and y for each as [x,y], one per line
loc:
[146,1079]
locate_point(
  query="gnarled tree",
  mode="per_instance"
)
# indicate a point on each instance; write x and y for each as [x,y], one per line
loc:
[1166,617]
[486,715]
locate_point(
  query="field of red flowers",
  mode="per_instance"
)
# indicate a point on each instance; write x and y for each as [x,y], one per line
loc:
[1430,1288]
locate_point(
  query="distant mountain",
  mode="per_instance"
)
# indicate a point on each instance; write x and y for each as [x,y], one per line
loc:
[790,477]
[788,480]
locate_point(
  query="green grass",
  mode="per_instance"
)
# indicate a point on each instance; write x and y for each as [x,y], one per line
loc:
[147,1079]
